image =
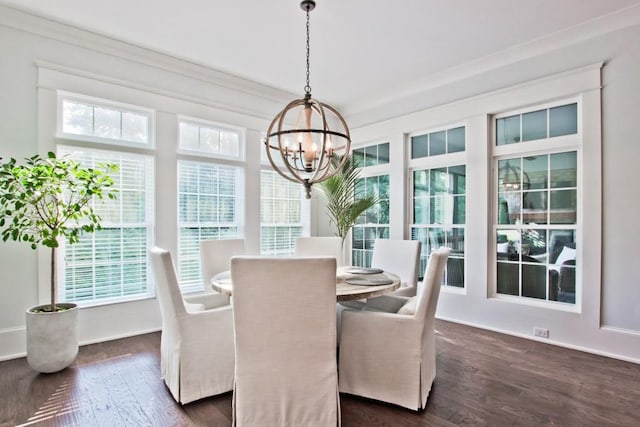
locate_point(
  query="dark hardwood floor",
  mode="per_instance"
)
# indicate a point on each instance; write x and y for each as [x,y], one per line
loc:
[483,378]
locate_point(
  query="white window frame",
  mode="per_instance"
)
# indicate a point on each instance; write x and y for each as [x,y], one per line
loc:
[105,142]
[93,143]
[545,146]
[215,160]
[458,158]
[371,172]
[305,209]
[214,125]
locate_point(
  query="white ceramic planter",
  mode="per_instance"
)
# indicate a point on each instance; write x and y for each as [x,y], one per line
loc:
[52,338]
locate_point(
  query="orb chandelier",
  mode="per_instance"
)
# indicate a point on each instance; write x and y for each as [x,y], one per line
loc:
[303,152]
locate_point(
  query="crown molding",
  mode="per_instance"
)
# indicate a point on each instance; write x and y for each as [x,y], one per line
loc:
[32,23]
[594,28]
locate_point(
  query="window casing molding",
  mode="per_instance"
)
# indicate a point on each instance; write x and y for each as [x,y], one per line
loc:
[547,146]
[121,107]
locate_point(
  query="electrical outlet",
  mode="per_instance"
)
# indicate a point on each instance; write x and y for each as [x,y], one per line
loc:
[541,332]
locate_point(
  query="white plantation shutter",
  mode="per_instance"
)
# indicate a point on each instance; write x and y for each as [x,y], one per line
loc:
[281,217]
[208,208]
[112,263]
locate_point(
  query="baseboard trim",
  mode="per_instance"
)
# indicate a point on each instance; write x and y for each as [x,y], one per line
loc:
[548,341]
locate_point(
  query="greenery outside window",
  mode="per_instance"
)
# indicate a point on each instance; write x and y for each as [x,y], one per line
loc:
[439,217]
[374,222]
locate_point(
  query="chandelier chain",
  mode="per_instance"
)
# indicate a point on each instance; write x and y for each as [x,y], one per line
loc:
[307,88]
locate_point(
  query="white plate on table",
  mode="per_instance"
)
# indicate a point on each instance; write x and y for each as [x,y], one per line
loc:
[368,281]
[363,270]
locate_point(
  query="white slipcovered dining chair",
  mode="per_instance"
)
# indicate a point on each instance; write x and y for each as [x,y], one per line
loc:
[319,246]
[285,337]
[400,257]
[196,347]
[215,257]
[392,356]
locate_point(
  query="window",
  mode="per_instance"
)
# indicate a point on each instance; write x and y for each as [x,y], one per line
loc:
[208,208]
[436,143]
[439,198]
[210,193]
[212,139]
[90,119]
[536,207]
[282,214]
[111,264]
[374,223]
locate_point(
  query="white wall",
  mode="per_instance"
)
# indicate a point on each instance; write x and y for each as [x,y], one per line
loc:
[34,63]
[607,319]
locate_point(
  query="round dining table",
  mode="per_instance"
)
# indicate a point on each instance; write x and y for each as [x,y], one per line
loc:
[352,283]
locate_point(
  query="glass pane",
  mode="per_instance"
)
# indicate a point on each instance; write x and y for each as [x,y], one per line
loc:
[420,183]
[509,208]
[383,153]
[358,157]
[437,143]
[564,170]
[563,120]
[534,204]
[455,140]
[459,210]
[209,140]
[508,278]
[534,281]
[189,136]
[419,146]
[230,143]
[508,130]
[438,211]
[383,186]
[455,271]
[458,179]
[563,207]
[534,245]
[384,211]
[509,175]
[421,211]
[371,155]
[436,239]
[455,240]
[508,245]
[135,127]
[535,172]
[106,123]
[358,238]
[77,118]
[438,178]
[534,125]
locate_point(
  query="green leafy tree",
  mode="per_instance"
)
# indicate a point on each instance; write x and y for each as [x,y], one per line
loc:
[344,205]
[49,198]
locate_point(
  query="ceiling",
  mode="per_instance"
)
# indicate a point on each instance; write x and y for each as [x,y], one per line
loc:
[361,50]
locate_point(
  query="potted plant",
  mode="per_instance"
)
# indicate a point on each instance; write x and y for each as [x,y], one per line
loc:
[344,204]
[42,201]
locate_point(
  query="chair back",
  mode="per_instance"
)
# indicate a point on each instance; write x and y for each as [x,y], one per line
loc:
[215,256]
[400,257]
[431,284]
[167,287]
[319,246]
[285,340]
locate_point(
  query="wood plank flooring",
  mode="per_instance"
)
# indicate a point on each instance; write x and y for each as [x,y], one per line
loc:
[483,378]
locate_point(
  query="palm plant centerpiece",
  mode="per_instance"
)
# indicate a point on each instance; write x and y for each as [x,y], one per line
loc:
[42,201]
[344,204]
